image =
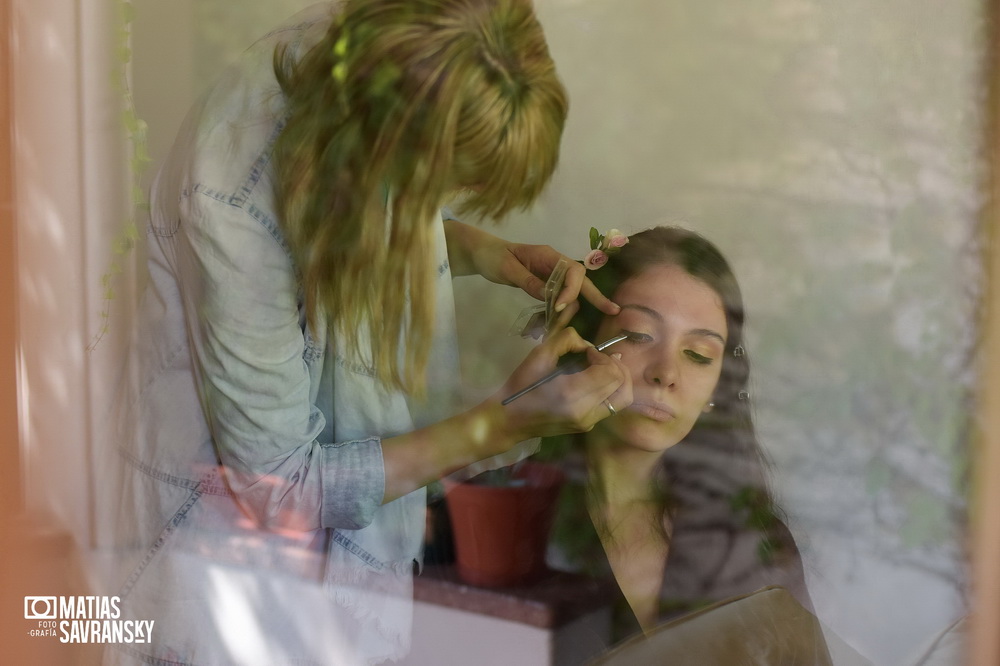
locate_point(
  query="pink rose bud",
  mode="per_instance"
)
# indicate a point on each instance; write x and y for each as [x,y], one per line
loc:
[618,240]
[595,259]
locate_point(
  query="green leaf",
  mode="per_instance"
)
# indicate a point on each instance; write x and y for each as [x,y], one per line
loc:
[340,72]
[340,47]
[761,518]
[142,152]
[742,498]
[130,120]
[128,12]
[766,548]
[595,238]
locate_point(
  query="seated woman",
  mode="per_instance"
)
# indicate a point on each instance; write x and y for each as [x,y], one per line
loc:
[669,494]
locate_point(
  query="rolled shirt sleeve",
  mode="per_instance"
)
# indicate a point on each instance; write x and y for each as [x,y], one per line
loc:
[241,301]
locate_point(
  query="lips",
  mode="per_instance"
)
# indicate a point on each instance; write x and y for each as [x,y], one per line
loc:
[655,411]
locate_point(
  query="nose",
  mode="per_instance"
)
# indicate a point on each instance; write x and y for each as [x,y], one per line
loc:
[662,369]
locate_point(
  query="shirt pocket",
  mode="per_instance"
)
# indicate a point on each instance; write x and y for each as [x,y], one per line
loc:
[165,223]
[164,227]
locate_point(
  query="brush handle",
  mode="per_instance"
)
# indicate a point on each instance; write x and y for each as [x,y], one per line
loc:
[568,364]
[531,387]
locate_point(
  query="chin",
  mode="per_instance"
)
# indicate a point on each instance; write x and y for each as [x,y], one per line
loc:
[645,434]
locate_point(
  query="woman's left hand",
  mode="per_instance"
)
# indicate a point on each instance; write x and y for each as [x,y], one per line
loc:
[472,250]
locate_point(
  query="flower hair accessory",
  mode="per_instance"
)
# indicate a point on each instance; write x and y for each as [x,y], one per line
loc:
[603,246]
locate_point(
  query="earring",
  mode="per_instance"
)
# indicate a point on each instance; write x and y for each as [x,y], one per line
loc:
[709,407]
[739,351]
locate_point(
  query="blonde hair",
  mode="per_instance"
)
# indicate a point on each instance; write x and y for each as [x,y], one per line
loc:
[403,103]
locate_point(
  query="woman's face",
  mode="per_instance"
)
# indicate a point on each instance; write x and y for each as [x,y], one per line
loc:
[678,332]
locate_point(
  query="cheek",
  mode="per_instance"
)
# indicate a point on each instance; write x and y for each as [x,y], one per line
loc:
[633,363]
[714,383]
[698,401]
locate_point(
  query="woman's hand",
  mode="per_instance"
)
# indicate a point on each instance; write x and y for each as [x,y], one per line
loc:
[569,403]
[472,250]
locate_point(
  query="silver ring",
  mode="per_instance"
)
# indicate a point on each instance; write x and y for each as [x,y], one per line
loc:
[611,408]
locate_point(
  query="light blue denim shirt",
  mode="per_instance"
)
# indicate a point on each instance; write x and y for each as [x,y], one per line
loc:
[253,475]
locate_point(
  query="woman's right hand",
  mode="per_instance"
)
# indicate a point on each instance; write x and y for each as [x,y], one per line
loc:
[569,403]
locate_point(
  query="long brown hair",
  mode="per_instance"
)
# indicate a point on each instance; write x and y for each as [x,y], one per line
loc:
[401,104]
[729,426]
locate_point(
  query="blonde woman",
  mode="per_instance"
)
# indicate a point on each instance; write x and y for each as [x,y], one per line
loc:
[295,353]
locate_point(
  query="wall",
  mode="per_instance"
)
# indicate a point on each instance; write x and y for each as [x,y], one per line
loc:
[831,149]
[832,152]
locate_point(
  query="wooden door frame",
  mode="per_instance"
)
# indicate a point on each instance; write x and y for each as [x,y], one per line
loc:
[11,483]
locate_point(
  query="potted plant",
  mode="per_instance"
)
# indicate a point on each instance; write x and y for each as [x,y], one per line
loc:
[501,522]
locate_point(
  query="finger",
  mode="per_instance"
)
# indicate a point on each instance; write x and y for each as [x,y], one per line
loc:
[611,410]
[620,387]
[575,276]
[591,391]
[567,340]
[542,359]
[590,292]
[604,376]
[527,281]
[563,319]
[622,397]
[578,284]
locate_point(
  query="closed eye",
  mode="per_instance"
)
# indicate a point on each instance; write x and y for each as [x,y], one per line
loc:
[697,358]
[637,337]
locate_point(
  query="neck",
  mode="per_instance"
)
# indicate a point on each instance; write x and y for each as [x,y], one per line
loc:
[620,474]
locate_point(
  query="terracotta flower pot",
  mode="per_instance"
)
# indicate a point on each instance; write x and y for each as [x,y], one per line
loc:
[501,532]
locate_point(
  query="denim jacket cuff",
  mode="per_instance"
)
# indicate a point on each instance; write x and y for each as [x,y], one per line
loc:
[353,483]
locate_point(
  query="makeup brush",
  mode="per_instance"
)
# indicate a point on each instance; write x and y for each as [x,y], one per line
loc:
[567,365]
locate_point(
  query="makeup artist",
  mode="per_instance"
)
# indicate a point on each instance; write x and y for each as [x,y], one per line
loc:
[295,346]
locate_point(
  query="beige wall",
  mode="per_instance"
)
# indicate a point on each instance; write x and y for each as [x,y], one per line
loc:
[833,151]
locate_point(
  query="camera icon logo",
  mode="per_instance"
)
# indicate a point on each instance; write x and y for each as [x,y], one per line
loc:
[40,608]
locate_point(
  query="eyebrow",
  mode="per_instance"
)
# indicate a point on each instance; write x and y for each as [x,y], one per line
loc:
[702,332]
